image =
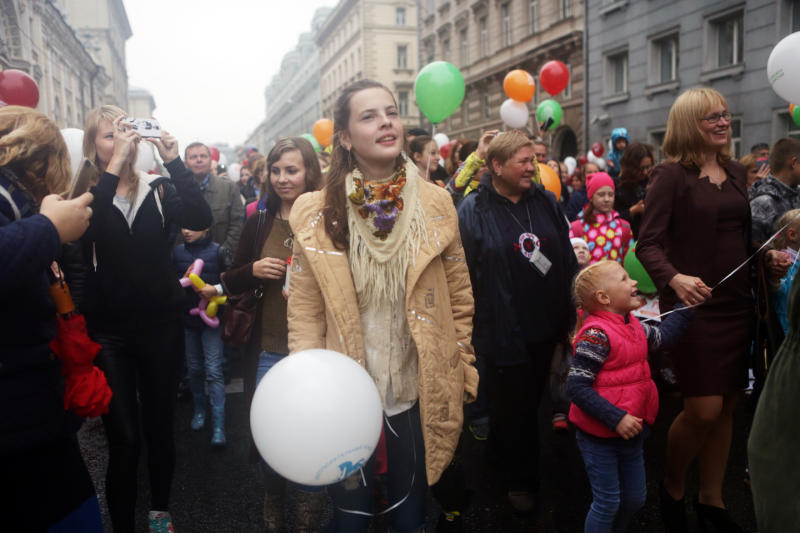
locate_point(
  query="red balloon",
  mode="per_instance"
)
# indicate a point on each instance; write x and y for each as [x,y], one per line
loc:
[17,88]
[214,153]
[554,76]
[582,160]
[444,151]
[597,149]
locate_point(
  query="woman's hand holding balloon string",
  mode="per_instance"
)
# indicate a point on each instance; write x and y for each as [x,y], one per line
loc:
[691,290]
[778,264]
[269,268]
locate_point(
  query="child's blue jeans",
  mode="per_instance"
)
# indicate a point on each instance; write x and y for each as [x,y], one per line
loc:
[615,468]
[204,363]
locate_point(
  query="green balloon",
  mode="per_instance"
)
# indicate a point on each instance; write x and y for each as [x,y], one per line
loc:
[636,271]
[549,110]
[313,140]
[796,114]
[439,90]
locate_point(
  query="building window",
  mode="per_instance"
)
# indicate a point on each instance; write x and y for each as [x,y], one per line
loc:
[464,47]
[616,74]
[567,93]
[506,22]
[430,52]
[532,16]
[656,138]
[464,114]
[485,106]
[725,40]
[402,56]
[484,37]
[736,137]
[402,103]
[564,8]
[400,16]
[664,59]
[446,50]
[788,127]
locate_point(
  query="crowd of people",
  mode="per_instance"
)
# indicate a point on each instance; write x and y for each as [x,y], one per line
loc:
[462,285]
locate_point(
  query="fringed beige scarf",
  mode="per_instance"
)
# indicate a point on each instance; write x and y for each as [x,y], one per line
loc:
[379,266]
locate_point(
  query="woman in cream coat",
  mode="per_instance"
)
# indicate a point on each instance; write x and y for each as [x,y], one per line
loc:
[378,273]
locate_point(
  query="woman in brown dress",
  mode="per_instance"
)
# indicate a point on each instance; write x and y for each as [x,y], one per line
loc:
[695,231]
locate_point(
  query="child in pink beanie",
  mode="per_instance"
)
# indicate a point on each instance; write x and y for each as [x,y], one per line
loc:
[607,235]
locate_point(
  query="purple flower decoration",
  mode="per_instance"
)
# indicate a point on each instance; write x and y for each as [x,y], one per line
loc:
[384,222]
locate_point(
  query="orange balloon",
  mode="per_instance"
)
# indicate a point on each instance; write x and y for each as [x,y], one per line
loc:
[791,109]
[519,85]
[323,131]
[550,179]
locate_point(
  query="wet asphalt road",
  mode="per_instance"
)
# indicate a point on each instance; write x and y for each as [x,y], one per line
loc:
[222,491]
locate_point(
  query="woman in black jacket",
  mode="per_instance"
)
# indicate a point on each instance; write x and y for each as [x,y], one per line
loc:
[635,166]
[521,263]
[133,303]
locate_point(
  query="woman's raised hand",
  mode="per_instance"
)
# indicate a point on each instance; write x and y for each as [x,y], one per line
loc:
[269,268]
[690,289]
[167,146]
[125,137]
[483,144]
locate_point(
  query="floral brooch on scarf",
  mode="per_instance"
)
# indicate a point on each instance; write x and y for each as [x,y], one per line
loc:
[381,200]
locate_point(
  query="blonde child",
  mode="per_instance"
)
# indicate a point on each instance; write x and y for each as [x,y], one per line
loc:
[789,242]
[614,399]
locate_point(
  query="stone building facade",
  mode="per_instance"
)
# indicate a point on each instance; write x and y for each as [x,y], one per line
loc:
[486,39]
[375,39]
[103,27]
[36,38]
[644,54]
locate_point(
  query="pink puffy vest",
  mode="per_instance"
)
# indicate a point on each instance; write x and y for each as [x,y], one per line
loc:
[624,379]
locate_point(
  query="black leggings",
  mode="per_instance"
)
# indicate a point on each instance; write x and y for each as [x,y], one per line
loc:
[141,368]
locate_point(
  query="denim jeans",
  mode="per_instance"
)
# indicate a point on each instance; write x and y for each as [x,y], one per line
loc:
[616,472]
[204,363]
[406,481]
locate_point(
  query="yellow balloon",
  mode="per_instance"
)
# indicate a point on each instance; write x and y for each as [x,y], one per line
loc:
[196,281]
[211,309]
[220,299]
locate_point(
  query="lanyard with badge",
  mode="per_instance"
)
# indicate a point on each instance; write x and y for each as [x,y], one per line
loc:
[530,245]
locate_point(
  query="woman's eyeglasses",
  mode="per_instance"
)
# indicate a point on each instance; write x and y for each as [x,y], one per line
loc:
[716,117]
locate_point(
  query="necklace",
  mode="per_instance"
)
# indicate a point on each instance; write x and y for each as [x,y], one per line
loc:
[530,224]
[288,242]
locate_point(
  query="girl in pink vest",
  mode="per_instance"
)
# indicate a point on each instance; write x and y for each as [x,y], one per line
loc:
[607,235]
[614,399]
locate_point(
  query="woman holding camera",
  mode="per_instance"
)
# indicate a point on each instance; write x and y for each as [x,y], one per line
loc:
[133,304]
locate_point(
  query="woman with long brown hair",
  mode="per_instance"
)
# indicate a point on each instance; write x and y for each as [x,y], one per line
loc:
[635,165]
[291,169]
[378,273]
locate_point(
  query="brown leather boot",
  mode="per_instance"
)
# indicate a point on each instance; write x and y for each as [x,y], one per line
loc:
[310,506]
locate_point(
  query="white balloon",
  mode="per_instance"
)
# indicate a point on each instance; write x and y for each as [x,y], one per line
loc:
[73,137]
[222,159]
[600,162]
[316,417]
[234,171]
[571,163]
[514,114]
[145,159]
[783,68]
[441,139]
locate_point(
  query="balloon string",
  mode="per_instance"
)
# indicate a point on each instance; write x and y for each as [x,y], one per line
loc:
[428,164]
[410,487]
[732,272]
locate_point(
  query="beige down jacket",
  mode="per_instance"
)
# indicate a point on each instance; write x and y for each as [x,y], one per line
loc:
[323,312]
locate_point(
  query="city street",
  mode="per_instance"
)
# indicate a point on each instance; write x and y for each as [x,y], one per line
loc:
[221,490]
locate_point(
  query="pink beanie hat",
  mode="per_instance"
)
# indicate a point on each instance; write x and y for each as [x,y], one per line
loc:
[595,181]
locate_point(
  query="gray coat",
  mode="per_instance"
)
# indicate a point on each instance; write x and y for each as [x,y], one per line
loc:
[227,211]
